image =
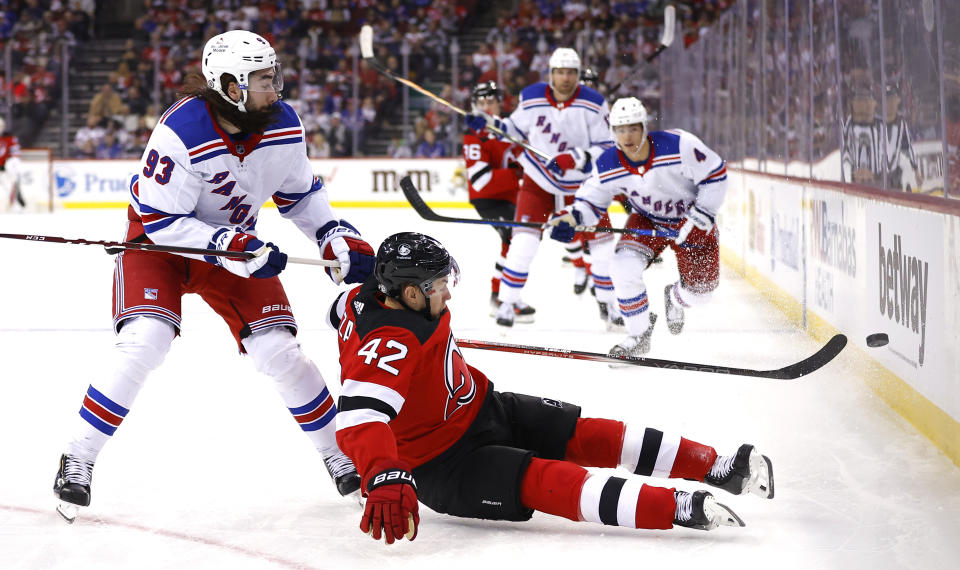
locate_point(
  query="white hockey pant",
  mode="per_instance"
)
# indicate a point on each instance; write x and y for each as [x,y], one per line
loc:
[141,345]
[626,270]
[276,353]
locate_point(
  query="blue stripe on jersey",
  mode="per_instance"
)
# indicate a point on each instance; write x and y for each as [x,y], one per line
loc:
[596,210]
[590,94]
[193,124]
[612,178]
[715,180]
[209,155]
[537,90]
[286,201]
[280,141]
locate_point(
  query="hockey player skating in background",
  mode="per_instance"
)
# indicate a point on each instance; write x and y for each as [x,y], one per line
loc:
[10,168]
[673,181]
[213,159]
[568,120]
[493,179]
[422,424]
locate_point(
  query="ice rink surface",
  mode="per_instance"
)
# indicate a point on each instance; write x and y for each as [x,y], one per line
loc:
[210,471]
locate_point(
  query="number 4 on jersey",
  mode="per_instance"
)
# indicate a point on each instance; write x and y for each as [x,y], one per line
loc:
[369,354]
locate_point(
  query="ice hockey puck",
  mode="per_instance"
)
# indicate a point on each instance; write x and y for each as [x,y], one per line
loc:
[877,339]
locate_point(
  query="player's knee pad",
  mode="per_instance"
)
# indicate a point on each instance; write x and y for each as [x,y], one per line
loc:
[627,267]
[275,352]
[143,342]
[523,248]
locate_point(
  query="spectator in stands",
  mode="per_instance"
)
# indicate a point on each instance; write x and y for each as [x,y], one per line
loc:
[318,147]
[339,137]
[107,103]
[110,146]
[88,136]
[430,147]
[399,149]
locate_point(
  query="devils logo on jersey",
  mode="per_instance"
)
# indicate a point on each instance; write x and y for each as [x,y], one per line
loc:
[461,389]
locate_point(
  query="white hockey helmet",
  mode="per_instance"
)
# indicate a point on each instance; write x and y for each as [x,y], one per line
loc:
[627,111]
[239,53]
[565,58]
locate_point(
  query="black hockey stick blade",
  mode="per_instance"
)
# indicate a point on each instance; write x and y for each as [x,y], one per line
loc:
[816,361]
[425,212]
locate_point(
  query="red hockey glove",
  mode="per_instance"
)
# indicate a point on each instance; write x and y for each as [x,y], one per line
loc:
[392,508]
[695,218]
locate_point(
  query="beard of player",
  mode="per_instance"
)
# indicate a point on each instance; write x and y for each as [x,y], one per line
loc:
[194,85]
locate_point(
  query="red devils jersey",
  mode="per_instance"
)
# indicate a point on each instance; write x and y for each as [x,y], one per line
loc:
[488,175]
[407,392]
[9,148]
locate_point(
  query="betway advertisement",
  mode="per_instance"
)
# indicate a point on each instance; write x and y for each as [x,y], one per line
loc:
[354,181]
[905,293]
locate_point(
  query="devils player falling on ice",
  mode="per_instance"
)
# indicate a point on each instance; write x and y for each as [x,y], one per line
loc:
[422,424]
[493,178]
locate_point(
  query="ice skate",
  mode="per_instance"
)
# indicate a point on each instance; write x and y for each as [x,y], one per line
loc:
[343,473]
[745,472]
[580,280]
[522,312]
[701,511]
[612,319]
[72,486]
[673,311]
[634,345]
[506,314]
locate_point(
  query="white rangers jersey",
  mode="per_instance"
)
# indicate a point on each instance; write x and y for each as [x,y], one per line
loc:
[553,128]
[681,171]
[195,179]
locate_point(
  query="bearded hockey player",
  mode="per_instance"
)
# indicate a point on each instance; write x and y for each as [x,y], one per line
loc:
[213,159]
[673,182]
[569,120]
[423,425]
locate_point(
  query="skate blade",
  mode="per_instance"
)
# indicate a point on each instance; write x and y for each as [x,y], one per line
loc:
[68,511]
[720,515]
[760,482]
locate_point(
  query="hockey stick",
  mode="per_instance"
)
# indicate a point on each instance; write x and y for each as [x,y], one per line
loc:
[115,247]
[810,364]
[366,50]
[669,25]
[413,196]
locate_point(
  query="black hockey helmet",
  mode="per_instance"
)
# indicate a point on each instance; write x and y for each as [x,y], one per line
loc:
[588,76]
[410,258]
[486,89]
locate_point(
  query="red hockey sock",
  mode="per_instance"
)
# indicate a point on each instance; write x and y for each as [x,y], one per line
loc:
[596,442]
[628,502]
[553,487]
[693,461]
[495,285]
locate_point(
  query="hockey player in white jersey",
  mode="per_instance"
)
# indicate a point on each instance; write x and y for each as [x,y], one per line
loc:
[673,182]
[213,159]
[569,121]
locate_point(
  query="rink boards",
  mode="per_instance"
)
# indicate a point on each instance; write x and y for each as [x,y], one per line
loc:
[834,258]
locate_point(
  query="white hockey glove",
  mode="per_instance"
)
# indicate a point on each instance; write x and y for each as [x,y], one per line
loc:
[695,218]
[267,262]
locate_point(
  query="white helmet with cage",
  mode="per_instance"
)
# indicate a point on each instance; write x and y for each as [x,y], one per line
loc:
[627,111]
[239,53]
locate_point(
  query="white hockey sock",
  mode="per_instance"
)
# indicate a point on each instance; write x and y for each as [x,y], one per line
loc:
[687,298]
[275,352]
[141,346]
[523,247]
